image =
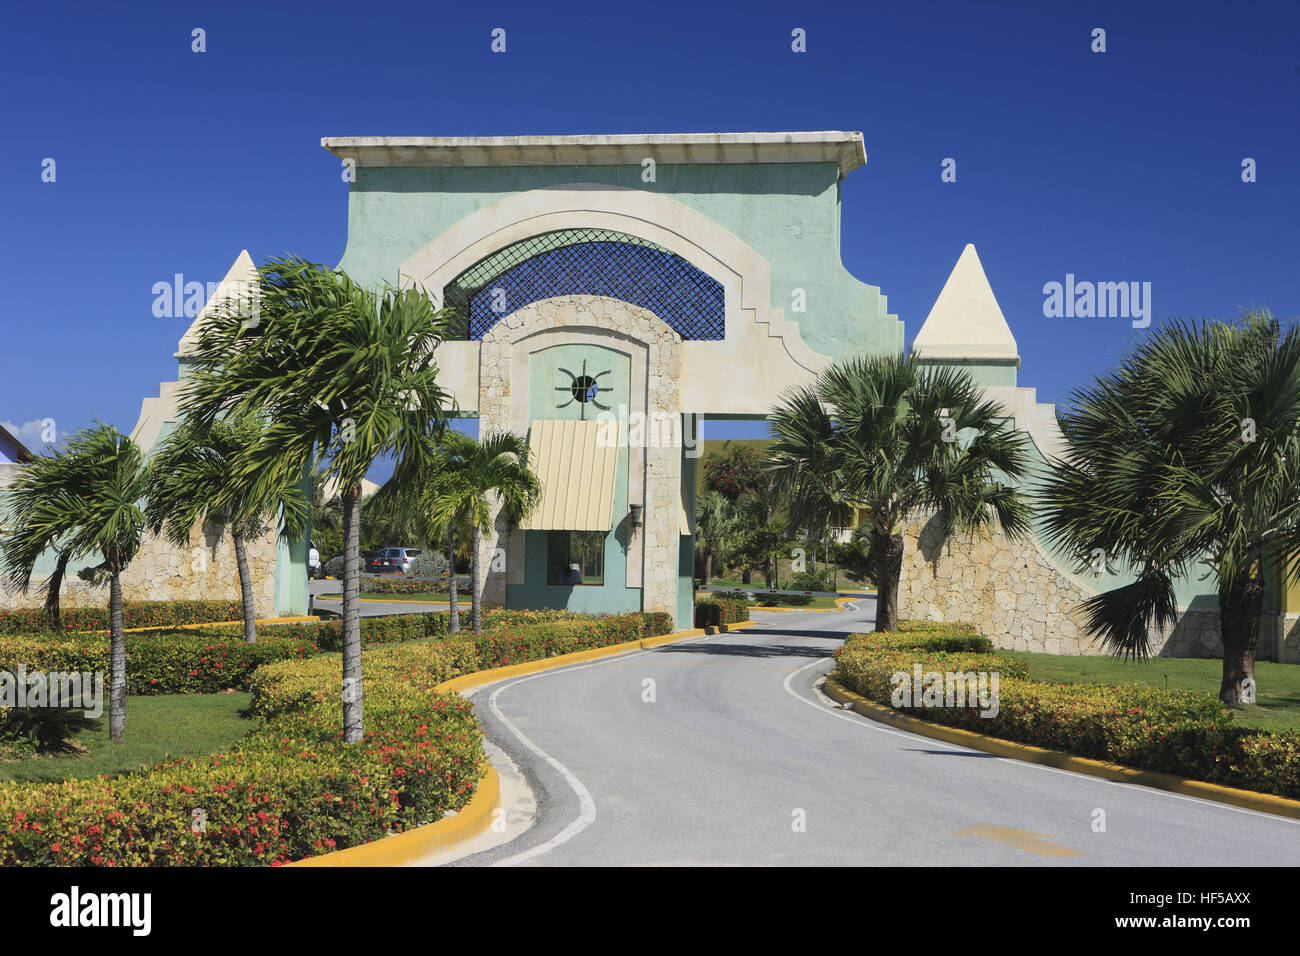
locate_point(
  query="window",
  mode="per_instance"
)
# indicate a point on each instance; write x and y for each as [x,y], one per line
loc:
[575,558]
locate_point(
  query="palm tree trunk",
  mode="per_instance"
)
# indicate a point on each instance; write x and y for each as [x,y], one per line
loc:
[245,588]
[476,596]
[54,585]
[887,564]
[453,625]
[352,699]
[708,568]
[117,660]
[1240,604]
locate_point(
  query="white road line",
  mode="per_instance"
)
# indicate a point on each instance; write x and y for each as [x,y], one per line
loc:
[587,806]
[1010,761]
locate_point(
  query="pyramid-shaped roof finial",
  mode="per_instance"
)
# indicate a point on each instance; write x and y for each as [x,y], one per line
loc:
[240,281]
[966,321]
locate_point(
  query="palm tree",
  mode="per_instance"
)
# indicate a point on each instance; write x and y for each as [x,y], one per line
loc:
[462,488]
[1187,454]
[83,500]
[897,439]
[341,375]
[192,477]
[713,529]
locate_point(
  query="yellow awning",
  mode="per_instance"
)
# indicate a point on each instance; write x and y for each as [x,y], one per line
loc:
[576,462]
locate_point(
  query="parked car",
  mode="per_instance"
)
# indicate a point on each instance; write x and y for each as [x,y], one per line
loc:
[401,557]
[371,563]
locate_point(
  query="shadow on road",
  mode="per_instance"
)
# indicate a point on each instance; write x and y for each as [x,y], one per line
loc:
[952,753]
[751,650]
[791,632]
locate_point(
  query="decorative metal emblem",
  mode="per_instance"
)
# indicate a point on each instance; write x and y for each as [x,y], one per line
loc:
[583,389]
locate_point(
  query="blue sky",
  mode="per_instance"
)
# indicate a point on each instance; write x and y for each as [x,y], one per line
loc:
[1115,166]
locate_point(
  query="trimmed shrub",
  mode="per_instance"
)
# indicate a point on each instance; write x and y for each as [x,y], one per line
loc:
[783,600]
[160,662]
[134,614]
[429,564]
[396,584]
[811,581]
[291,789]
[718,609]
[288,791]
[1178,732]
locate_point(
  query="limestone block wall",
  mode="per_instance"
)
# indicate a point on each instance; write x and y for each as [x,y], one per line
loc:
[502,407]
[1017,596]
[204,571]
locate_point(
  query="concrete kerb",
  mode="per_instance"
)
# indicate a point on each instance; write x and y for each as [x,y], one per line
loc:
[1246,799]
[296,619]
[400,849]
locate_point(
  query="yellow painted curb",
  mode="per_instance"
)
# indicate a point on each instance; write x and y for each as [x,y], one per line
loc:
[724,628]
[394,600]
[298,619]
[492,675]
[839,606]
[402,848]
[1157,779]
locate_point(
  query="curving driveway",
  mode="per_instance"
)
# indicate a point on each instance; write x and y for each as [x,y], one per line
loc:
[739,760]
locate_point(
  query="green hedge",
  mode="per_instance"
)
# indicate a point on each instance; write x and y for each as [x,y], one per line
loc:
[134,614]
[1179,732]
[292,789]
[396,584]
[159,662]
[716,610]
[208,660]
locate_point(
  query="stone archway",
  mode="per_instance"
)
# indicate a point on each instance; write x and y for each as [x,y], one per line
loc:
[654,474]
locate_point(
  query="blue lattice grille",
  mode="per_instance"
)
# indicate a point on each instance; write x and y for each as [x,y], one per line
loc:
[588,262]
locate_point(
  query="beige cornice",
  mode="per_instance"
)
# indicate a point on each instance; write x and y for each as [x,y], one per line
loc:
[846,150]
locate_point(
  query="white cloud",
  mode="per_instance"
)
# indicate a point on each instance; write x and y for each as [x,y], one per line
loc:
[29,433]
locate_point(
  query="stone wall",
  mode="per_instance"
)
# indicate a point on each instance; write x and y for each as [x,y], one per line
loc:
[205,571]
[1014,593]
[503,405]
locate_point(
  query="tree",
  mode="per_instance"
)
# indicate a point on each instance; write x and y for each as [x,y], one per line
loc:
[714,529]
[733,471]
[341,375]
[84,500]
[899,439]
[1186,454]
[463,486]
[326,518]
[192,477]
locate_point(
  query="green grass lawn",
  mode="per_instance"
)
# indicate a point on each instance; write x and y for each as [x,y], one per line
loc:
[844,578]
[818,601]
[169,725]
[1278,685]
[440,596]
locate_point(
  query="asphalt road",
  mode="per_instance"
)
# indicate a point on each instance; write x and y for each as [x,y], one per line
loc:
[372,608]
[738,760]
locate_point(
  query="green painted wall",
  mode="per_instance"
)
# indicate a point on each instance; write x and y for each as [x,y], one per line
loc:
[985,373]
[686,548]
[544,378]
[789,213]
